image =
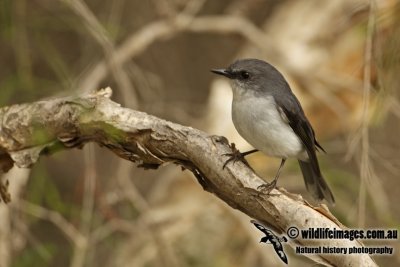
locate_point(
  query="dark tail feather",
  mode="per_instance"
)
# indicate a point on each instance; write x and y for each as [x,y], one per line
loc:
[315,183]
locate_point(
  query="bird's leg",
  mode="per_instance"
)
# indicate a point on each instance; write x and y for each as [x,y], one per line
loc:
[266,188]
[244,154]
[236,155]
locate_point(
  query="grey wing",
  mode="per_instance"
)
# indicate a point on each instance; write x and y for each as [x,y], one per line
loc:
[294,115]
[291,111]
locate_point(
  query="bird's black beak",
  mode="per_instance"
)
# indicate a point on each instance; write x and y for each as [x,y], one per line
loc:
[223,72]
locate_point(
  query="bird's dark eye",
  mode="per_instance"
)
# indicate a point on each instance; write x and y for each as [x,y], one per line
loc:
[244,75]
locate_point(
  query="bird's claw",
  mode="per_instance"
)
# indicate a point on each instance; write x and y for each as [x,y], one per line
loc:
[267,187]
[235,156]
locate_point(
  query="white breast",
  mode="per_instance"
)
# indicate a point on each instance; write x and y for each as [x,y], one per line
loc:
[258,121]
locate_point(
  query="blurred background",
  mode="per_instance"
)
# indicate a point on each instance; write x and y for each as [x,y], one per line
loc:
[89,208]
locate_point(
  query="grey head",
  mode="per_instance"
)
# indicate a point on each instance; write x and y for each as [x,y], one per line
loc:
[254,76]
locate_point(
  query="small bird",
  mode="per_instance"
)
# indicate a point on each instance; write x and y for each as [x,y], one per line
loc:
[268,115]
[273,239]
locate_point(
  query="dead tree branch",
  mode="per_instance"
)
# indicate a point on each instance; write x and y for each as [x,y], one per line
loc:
[28,131]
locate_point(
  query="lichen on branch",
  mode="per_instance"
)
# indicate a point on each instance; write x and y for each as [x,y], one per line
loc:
[30,130]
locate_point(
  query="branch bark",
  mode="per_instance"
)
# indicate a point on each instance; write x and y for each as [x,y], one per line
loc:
[28,131]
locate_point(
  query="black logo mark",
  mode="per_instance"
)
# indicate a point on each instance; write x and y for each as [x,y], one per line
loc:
[273,239]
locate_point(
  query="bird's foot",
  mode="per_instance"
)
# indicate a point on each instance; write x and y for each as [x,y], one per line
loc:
[236,155]
[267,187]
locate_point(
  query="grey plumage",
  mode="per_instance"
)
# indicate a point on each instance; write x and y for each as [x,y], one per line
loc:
[268,115]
